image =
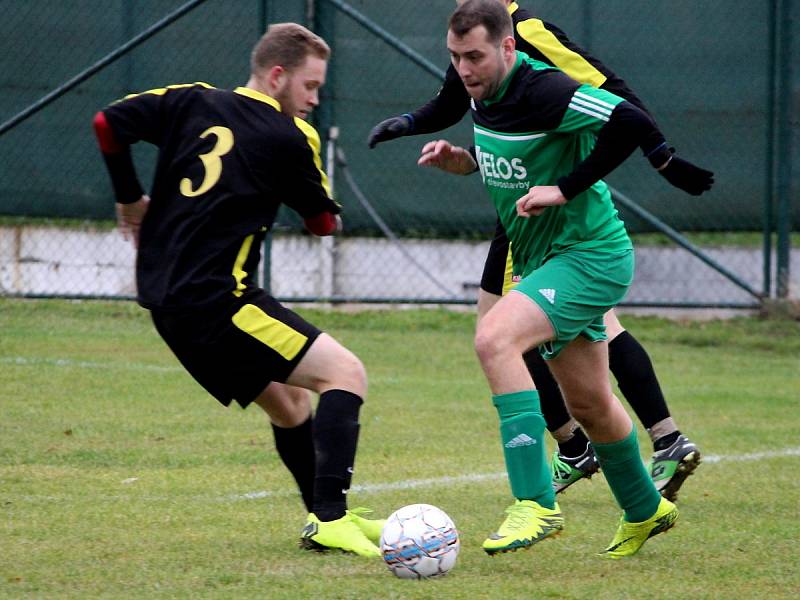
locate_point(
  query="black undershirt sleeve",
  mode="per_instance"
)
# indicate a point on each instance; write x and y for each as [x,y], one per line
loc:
[628,128]
[447,108]
[124,181]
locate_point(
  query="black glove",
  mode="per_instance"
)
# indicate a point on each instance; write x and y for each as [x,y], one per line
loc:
[688,177]
[390,129]
[679,172]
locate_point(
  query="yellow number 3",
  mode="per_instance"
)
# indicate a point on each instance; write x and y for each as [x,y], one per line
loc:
[211,161]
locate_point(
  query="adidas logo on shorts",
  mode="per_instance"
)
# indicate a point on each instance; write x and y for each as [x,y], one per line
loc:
[550,294]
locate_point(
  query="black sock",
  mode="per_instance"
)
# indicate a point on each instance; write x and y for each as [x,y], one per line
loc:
[335,440]
[295,446]
[631,365]
[574,446]
[666,441]
[554,409]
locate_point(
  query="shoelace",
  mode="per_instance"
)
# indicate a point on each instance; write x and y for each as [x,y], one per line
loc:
[560,468]
[517,516]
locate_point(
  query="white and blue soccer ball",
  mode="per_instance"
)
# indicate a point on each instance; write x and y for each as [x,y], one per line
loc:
[419,541]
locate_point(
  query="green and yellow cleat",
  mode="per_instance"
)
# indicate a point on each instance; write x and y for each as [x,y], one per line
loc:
[526,523]
[567,470]
[342,534]
[631,536]
[670,467]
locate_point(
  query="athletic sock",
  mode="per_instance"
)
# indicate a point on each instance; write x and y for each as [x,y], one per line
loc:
[522,434]
[574,446]
[628,478]
[335,433]
[666,441]
[295,446]
[633,369]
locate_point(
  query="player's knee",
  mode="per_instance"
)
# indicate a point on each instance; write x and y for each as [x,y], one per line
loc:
[350,374]
[487,344]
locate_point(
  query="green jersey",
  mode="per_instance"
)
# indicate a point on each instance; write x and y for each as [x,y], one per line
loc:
[537,128]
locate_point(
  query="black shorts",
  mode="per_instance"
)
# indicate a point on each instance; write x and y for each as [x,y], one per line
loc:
[496,276]
[236,349]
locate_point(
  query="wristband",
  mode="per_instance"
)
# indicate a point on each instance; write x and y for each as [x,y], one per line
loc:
[660,156]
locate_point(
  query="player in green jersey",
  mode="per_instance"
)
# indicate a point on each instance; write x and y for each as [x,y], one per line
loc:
[542,144]
[675,457]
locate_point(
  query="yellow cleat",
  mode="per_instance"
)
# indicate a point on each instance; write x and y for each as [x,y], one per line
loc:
[372,528]
[527,523]
[631,536]
[341,534]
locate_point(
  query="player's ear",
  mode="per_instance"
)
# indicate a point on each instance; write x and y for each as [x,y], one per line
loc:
[277,77]
[509,45]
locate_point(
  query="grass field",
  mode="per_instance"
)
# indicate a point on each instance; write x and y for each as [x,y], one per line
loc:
[120,477]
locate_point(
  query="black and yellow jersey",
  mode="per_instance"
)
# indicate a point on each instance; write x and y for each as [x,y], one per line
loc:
[227,159]
[541,41]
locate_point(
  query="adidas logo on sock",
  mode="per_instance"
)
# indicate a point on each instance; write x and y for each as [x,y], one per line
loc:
[550,294]
[523,439]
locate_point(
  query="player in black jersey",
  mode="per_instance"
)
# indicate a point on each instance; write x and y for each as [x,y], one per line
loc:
[675,456]
[227,160]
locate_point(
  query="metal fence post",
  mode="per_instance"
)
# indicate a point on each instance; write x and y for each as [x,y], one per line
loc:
[769,175]
[324,24]
[784,144]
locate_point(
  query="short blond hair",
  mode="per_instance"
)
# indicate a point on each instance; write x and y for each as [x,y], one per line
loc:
[287,45]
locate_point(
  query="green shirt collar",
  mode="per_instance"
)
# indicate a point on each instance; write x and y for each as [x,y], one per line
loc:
[521,56]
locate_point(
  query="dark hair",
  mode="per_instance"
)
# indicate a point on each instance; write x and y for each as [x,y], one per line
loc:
[287,45]
[489,13]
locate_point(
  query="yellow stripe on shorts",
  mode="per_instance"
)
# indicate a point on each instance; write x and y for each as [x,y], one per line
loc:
[279,336]
[508,275]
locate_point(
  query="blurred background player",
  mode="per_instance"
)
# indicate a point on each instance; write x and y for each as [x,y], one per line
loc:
[675,457]
[227,160]
[542,143]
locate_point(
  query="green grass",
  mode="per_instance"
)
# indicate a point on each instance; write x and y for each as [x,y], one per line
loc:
[120,477]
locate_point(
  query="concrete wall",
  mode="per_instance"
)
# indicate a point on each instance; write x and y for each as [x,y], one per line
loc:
[37,260]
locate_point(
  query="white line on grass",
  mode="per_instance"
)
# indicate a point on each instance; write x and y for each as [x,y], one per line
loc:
[438,481]
[370,488]
[81,364]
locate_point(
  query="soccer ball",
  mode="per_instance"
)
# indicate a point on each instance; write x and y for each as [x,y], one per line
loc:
[419,541]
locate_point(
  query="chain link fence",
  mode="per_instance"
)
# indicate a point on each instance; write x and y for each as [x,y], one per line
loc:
[716,75]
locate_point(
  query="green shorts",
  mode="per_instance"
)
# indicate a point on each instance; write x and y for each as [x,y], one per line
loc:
[575,289]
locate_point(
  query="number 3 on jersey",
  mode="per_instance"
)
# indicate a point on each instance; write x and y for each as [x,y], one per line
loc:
[211,161]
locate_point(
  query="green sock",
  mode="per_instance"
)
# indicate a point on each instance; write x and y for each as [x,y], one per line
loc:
[522,432]
[628,479]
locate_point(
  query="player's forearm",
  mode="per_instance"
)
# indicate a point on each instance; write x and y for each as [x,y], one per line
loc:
[627,129]
[447,108]
[119,162]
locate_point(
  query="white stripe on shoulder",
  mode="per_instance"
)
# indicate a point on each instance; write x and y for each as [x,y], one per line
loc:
[592,106]
[591,113]
[595,100]
[510,137]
